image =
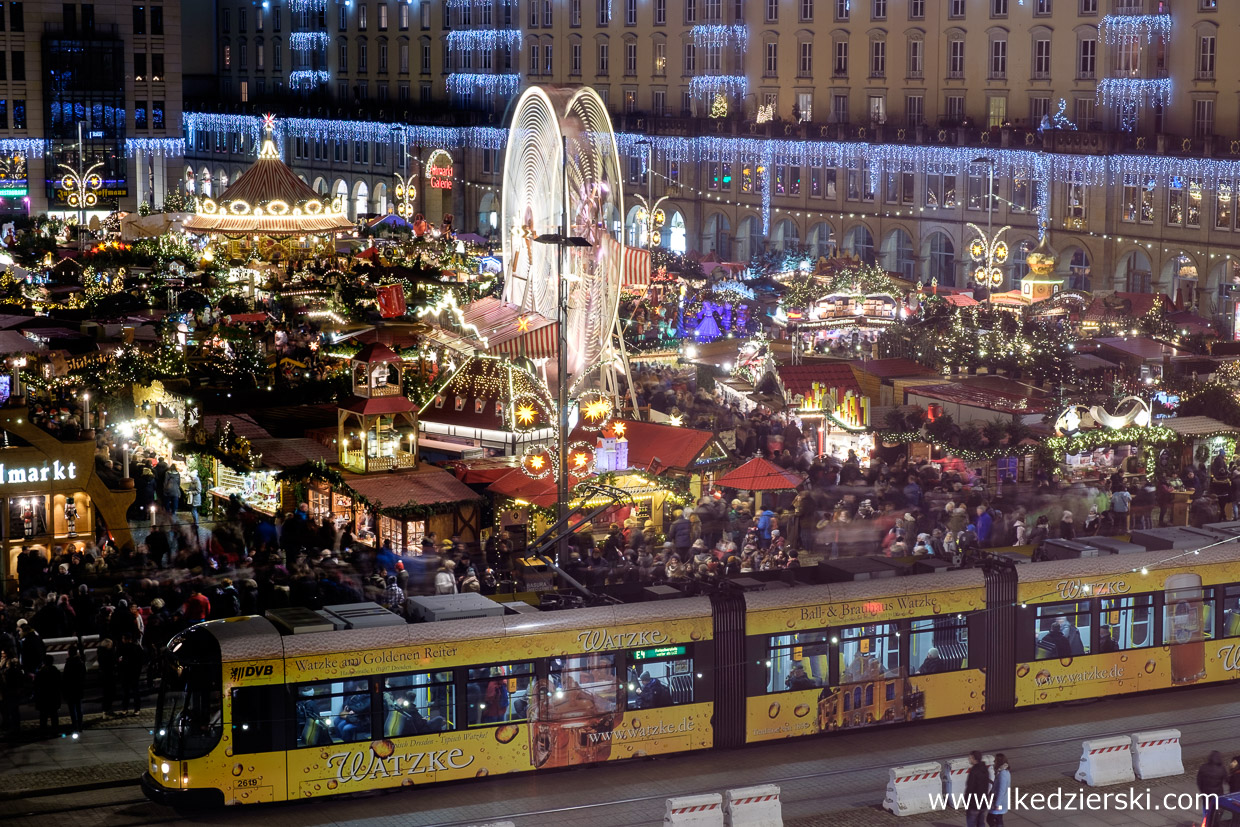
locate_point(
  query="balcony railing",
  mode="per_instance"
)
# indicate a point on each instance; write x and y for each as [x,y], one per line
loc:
[357,461]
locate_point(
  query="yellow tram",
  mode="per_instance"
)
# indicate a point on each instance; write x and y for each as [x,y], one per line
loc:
[299,706]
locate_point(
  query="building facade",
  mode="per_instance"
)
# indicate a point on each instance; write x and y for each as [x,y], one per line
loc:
[112,68]
[872,127]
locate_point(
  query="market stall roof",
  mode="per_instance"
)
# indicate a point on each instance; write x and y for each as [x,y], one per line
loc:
[379,405]
[1085,362]
[960,300]
[1138,347]
[393,335]
[507,329]
[425,485]
[519,485]
[994,393]
[892,368]
[760,475]
[1132,305]
[1197,426]
[268,199]
[653,444]
[483,470]
[1191,322]
[481,393]
[288,453]
[798,380]
[376,352]
[13,342]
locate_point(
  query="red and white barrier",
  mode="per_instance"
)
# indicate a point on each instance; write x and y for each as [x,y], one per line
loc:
[956,772]
[753,807]
[1156,754]
[695,811]
[910,789]
[1106,761]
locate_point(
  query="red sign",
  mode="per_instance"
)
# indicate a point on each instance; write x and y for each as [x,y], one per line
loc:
[391,300]
[441,177]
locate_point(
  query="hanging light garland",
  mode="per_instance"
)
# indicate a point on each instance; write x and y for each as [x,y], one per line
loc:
[708,35]
[470,40]
[307,78]
[705,87]
[160,147]
[505,83]
[1117,28]
[1134,92]
[309,40]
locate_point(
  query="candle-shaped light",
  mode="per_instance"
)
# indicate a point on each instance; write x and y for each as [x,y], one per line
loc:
[86,410]
[125,455]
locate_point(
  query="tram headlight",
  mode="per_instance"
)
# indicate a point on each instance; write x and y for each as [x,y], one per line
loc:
[164,768]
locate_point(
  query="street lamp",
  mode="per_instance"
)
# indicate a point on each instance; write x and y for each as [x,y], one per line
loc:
[81,184]
[650,215]
[988,249]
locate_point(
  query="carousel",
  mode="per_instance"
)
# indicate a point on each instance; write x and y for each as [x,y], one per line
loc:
[269,209]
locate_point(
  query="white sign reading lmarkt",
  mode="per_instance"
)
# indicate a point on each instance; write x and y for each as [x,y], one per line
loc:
[55,471]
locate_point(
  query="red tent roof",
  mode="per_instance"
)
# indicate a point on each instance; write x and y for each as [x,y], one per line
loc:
[374,353]
[379,405]
[521,486]
[799,379]
[674,447]
[760,475]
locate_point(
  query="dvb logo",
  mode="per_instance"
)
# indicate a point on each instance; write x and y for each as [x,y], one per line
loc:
[239,672]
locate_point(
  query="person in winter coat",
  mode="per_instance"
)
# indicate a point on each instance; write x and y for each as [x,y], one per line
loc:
[1067,528]
[1233,781]
[445,578]
[1003,783]
[130,658]
[172,491]
[12,687]
[32,647]
[192,486]
[976,785]
[680,534]
[73,686]
[47,696]
[1212,780]
[106,654]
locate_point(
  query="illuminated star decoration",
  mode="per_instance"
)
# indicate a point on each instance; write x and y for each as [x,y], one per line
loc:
[597,409]
[618,429]
[269,121]
[526,414]
[523,324]
[537,462]
[676,419]
[580,459]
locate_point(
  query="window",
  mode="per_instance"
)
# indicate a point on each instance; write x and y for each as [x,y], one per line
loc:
[1128,55]
[658,102]
[19,66]
[954,106]
[878,58]
[383,56]
[798,661]
[88,17]
[139,20]
[822,185]
[342,56]
[383,17]
[807,11]
[1224,198]
[1125,623]
[535,58]
[342,22]
[1089,7]
[772,11]
[659,682]
[1076,191]
[660,12]
[420,704]
[787,181]
[157,114]
[68,15]
[547,62]
[772,60]
[939,644]
[630,12]
[602,59]
[19,113]
[690,11]
[865,650]
[841,57]
[839,108]
[956,9]
[916,57]
[998,8]
[878,9]
[333,712]
[139,115]
[402,16]
[660,58]
[899,182]
[604,12]
[940,188]
[1022,190]
[914,110]
[843,9]
[575,59]
[916,9]
[424,16]
[805,68]
[690,59]
[498,693]
[955,58]
[1063,630]
[1083,112]
[139,66]
[1041,58]
[243,54]
[361,17]
[256,719]
[998,59]
[1041,8]
[1205,57]
[1203,117]
[630,59]
[426,58]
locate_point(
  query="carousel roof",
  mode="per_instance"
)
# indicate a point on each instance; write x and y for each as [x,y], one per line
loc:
[268,199]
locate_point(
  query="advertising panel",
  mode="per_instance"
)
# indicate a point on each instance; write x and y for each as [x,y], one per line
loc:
[882,699]
[872,610]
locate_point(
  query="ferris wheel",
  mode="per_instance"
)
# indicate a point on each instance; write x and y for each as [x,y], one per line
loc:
[562,154]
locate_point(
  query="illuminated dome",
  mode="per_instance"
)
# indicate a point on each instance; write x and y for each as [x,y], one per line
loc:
[1041,259]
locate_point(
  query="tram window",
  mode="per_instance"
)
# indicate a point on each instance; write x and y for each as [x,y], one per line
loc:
[580,686]
[333,712]
[1125,623]
[938,644]
[1188,610]
[659,682]
[868,652]
[254,719]
[189,712]
[1063,630]
[420,704]
[499,693]
[797,661]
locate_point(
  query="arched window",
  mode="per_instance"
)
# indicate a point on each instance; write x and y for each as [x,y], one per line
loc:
[941,260]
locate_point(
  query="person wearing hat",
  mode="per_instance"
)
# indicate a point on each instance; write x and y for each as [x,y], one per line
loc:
[445,578]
